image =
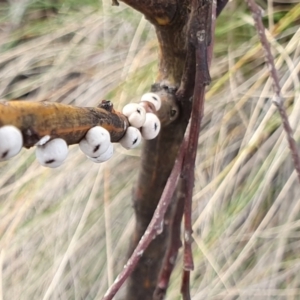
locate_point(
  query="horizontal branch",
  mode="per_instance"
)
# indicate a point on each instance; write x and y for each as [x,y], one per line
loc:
[39,119]
[71,123]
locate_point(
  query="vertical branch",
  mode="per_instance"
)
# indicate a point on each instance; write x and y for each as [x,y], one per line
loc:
[177,68]
[200,38]
[185,286]
[188,169]
[278,101]
[158,155]
[173,247]
[154,228]
[202,22]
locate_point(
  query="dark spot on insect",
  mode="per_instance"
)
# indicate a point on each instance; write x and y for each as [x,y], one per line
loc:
[155,98]
[134,141]
[50,161]
[138,111]
[96,148]
[173,112]
[4,154]
[155,126]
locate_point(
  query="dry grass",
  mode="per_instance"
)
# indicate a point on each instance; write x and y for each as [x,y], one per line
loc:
[64,232]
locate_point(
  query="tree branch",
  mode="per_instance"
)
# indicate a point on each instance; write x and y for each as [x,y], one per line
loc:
[173,247]
[200,27]
[158,157]
[38,119]
[278,101]
[185,285]
[156,163]
[171,23]
[154,228]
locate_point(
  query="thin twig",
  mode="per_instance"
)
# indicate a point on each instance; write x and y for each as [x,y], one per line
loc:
[188,170]
[200,34]
[173,247]
[155,226]
[185,285]
[278,101]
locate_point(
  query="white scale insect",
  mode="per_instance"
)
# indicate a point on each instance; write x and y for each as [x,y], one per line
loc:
[11,142]
[53,153]
[132,138]
[151,127]
[153,98]
[148,123]
[96,144]
[135,113]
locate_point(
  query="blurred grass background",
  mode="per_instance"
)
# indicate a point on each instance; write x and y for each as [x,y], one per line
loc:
[64,233]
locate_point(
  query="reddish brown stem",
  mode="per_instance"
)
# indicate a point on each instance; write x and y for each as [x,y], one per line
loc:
[188,169]
[200,33]
[154,228]
[173,247]
[185,285]
[171,23]
[278,101]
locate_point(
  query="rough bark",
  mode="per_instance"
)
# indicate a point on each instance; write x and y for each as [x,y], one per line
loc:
[177,24]
[158,156]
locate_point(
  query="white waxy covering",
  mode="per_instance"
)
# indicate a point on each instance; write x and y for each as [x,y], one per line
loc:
[104,156]
[53,153]
[11,142]
[43,140]
[151,128]
[95,142]
[131,139]
[153,98]
[135,113]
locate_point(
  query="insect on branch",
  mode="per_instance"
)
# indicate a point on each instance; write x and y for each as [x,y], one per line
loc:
[39,119]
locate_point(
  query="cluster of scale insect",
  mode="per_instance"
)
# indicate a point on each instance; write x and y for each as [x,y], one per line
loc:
[96,144]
